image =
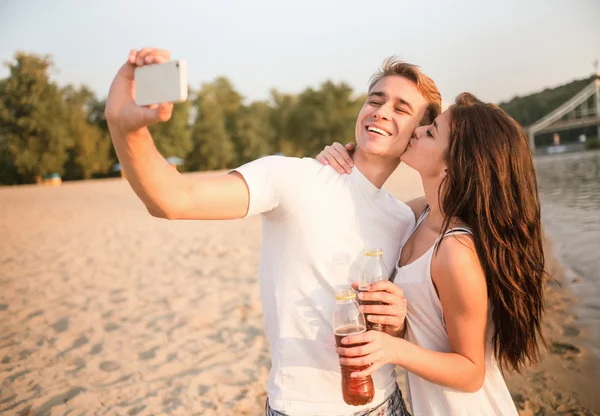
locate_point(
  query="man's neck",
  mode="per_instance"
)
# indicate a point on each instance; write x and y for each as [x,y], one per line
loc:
[376,169]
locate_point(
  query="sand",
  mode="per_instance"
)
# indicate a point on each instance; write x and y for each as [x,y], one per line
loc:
[106,310]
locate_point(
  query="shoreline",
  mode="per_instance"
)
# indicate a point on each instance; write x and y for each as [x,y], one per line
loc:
[564,382]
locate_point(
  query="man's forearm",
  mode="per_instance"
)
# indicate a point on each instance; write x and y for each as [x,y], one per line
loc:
[160,186]
[165,192]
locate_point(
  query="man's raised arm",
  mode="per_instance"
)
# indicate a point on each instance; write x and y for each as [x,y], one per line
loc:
[165,192]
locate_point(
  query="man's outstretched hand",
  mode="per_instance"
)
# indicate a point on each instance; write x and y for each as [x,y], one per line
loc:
[121,110]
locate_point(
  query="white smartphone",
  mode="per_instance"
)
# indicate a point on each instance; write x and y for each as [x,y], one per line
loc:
[161,83]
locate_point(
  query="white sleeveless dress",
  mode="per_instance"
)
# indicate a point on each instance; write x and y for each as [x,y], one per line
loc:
[426,328]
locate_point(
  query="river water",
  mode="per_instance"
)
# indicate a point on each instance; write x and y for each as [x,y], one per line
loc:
[570,190]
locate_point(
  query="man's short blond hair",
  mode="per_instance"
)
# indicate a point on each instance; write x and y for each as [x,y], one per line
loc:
[425,85]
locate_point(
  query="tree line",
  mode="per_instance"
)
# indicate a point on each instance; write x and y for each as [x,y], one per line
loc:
[47,129]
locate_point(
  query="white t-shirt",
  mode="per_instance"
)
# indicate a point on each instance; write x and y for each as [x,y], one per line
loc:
[310,214]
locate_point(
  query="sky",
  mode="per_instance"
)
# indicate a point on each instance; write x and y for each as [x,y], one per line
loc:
[494,49]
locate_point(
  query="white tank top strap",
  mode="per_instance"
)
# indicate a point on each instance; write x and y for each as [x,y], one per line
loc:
[458,230]
[455,230]
[451,231]
[422,217]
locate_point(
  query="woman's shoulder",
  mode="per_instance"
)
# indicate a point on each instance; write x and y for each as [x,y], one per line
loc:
[456,263]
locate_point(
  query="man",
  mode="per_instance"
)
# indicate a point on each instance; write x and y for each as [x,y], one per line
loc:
[310,216]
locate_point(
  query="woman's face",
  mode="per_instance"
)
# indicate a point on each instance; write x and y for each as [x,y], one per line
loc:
[427,148]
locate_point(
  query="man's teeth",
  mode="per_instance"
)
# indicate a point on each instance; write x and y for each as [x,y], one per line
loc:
[376,130]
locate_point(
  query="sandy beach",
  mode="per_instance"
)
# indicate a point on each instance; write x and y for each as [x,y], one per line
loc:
[106,310]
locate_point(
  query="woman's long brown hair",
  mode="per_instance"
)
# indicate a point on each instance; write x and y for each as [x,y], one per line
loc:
[491,186]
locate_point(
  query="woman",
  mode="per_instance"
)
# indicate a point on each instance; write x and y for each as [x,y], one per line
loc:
[473,269]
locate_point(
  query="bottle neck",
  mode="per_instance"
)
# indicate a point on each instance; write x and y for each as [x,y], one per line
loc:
[373,253]
[345,302]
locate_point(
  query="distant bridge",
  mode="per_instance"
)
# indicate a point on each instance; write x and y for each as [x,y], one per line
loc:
[579,111]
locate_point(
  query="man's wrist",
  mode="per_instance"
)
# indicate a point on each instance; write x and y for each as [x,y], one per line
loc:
[396,332]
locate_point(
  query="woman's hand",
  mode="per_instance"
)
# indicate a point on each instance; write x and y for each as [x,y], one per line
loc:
[338,157]
[377,349]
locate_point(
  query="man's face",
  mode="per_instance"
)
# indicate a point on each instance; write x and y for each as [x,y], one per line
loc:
[393,109]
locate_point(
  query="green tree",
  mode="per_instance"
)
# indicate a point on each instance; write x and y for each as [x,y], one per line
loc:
[322,117]
[229,100]
[174,138]
[213,148]
[9,174]
[96,117]
[253,132]
[95,113]
[282,107]
[32,119]
[91,151]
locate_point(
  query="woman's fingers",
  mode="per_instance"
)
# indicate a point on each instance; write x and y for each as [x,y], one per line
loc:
[367,371]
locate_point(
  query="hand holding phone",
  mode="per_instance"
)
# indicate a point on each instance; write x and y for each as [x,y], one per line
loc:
[161,83]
